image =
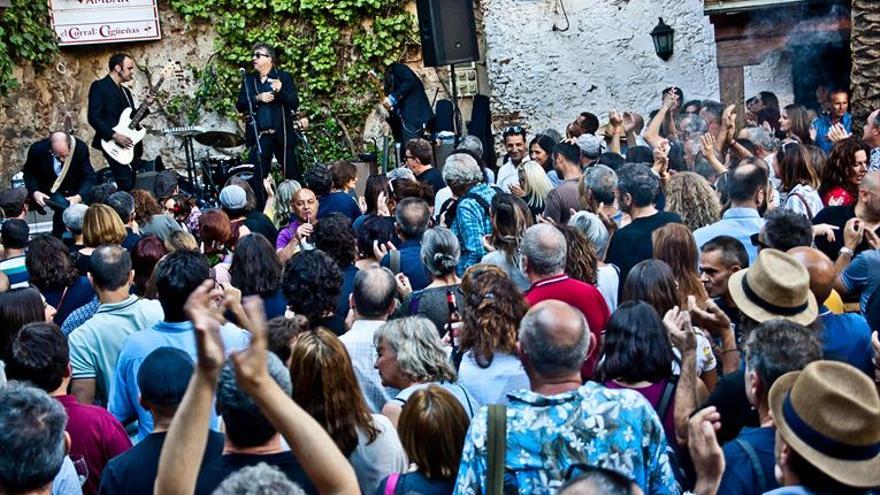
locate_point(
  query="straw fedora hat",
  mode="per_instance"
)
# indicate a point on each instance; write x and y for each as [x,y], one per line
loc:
[829,413]
[775,286]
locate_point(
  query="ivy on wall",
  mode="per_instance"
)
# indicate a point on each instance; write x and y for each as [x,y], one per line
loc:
[25,35]
[328,46]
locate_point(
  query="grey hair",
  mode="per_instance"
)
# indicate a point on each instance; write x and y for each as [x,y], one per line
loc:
[415,342]
[547,355]
[472,144]
[32,435]
[760,137]
[461,170]
[693,125]
[545,249]
[261,479]
[284,197]
[440,251]
[601,180]
[589,224]
[73,217]
[552,134]
[400,173]
[777,347]
[123,203]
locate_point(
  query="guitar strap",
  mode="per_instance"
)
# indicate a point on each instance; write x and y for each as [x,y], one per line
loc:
[64,168]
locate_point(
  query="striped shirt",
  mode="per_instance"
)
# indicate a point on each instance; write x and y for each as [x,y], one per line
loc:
[16,271]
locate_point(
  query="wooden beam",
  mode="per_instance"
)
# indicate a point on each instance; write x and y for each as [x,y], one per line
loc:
[733,91]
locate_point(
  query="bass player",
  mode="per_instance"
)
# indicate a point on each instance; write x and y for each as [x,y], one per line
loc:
[108,97]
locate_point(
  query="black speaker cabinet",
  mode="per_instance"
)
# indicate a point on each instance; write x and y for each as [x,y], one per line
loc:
[448,32]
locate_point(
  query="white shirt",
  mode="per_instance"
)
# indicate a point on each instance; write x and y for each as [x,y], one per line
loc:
[799,198]
[491,385]
[507,176]
[373,461]
[359,343]
[608,283]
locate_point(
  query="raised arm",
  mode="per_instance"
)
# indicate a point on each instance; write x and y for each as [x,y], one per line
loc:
[652,133]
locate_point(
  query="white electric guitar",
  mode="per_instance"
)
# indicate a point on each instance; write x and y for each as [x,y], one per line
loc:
[129,126]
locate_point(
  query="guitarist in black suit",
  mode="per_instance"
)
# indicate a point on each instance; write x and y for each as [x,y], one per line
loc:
[408,103]
[108,97]
[272,97]
[58,174]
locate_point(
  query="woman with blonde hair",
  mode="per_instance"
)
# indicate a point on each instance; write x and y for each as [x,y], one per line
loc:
[674,244]
[284,202]
[689,195]
[410,356]
[324,384]
[432,429]
[492,309]
[794,121]
[510,217]
[101,225]
[535,185]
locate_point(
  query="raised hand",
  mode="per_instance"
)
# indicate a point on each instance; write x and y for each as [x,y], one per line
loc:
[250,364]
[853,233]
[206,320]
[681,333]
[711,319]
[706,454]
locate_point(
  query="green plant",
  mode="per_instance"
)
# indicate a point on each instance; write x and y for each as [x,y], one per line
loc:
[328,46]
[25,35]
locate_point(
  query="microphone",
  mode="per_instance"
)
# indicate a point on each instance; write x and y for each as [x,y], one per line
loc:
[213,72]
[241,70]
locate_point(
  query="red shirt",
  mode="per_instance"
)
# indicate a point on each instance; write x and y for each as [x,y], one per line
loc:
[838,196]
[95,437]
[584,297]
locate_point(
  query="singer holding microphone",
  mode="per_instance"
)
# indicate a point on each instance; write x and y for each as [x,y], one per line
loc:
[268,98]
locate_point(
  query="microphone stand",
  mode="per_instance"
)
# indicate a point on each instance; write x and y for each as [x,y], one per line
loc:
[253,117]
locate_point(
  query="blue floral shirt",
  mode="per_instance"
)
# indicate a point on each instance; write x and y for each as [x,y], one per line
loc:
[471,224]
[594,425]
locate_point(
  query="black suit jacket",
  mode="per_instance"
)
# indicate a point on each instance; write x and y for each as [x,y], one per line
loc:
[107,100]
[39,171]
[405,87]
[287,98]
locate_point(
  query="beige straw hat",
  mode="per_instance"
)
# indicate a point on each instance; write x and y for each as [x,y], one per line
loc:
[775,286]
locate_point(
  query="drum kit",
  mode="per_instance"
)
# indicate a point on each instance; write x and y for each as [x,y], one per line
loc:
[211,172]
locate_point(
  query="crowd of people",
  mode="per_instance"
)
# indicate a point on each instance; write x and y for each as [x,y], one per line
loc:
[664,303]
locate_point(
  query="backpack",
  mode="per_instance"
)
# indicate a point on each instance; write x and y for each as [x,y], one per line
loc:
[450,207]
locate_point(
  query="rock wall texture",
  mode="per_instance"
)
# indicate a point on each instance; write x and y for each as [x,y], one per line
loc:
[544,77]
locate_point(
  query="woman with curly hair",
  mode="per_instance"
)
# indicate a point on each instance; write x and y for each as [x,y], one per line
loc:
[689,195]
[333,235]
[410,356]
[432,429]
[256,271]
[150,216]
[580,261]
[535,185]
[492,309]
[53,273]
[324,384]
[311,286]
[510,217]
[440,254]
[847,165]
[674,244]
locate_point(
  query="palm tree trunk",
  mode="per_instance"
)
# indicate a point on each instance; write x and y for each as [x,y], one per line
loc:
[865,46]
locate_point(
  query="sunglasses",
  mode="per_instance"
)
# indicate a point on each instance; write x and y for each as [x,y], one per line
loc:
[514,129]
[756,241]
[258,55]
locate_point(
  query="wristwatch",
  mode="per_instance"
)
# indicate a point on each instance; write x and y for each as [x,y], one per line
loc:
[847,251]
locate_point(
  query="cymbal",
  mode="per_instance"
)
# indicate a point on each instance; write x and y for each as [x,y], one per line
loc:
[219,139]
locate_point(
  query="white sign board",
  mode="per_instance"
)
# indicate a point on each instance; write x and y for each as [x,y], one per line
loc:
[88,22]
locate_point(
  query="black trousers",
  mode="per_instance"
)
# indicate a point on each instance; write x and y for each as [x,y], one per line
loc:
[59,204]
[122,174]
[272,145]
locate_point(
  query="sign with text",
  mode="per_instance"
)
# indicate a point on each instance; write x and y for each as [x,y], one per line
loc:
[88,22]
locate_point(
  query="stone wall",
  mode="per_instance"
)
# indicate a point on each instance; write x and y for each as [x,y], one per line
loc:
[544,77]
[46,95]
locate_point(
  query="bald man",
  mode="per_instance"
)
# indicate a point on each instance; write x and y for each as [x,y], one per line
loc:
[58,174]
[845,337]
[560,422]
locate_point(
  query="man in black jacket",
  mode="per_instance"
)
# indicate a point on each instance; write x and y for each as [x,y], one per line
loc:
[408,103]
[108,97]
[58,173]
[269,97]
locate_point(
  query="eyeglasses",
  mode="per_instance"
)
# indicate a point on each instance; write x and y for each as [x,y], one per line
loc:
[756,241]
[258,55]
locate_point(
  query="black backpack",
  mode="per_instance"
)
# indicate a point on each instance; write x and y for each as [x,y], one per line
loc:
[450,206]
